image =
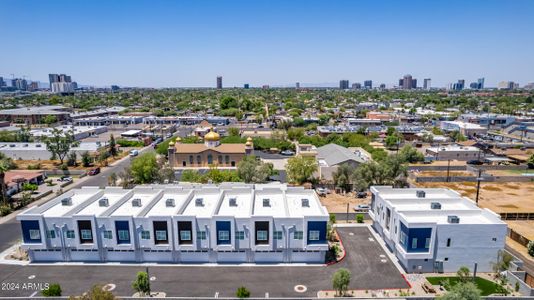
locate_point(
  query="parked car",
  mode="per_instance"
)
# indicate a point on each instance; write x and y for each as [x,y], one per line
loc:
[134,152]
[287,153]
[322,191]
[64,178]
[475,162]
[361,194]
[362,207]
[94,171]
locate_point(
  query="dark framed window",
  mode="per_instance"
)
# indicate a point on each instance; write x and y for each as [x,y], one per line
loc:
[262,232]
[185,235]
[160,232]
[85,232]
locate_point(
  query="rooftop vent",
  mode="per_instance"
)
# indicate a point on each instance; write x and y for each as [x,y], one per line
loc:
[199,202]
[435,205]
[66,201]
[266,203]
[305,202]
[136,202]
[103,202]
[453,219]
[233,202]
[169,203]
[420,194]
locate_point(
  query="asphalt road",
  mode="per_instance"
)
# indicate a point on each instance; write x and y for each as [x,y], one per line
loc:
[363,259]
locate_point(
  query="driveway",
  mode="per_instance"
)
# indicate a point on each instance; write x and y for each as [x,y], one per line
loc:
[363,260]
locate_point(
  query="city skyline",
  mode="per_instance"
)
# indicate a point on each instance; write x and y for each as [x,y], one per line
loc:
[176,44]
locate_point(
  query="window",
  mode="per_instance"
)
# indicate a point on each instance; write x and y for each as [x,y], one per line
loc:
[240,235]
[35,234]
[277,235]
[220,160]
[185,235]
[224,235]
[85,234]
[261,235]
[184,163]
[427,243]
[414,243]
[448,242]
[51,234]
[210,159]
[161,235]
[145,235]
[446,259]
[190,159]
[70,234]
[199,159]
[402,237]
[314,235]
[227,159]
[233,163]
[108,235]
[298,235]
[124,235]
[494,239]
[201,235]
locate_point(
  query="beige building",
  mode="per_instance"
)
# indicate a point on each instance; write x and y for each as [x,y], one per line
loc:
[210,153]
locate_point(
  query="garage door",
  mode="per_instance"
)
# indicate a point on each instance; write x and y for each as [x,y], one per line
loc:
[269,257]
[231,257]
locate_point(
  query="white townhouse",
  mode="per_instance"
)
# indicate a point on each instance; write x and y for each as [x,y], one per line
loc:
[435,229]
[186,223]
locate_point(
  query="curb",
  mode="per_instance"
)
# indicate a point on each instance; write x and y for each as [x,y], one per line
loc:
[344,252]
[407,282]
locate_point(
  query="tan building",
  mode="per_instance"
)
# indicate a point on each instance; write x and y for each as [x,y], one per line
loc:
[210,153]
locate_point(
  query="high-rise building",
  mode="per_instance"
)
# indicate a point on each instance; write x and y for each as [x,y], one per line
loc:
[473,86]
[407,82]
[344,84]
[356,86]
[401,83]
[34,86]
[219,82]
[480,83]
[427,83]
[414,83]
[20,84]
[246,86]
[382,86]
[368,84]
[460,85]
[297,85]
[529,86]
[61,83]
[53,78]
[2,81]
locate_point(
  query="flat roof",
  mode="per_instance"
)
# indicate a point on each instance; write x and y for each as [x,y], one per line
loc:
[209,199]
[299,208]
[276,206]
[160,208]
[77,198]
[113,196]
[127,208]
[242,207]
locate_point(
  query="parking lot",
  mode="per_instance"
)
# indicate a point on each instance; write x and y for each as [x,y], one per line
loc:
[370,268]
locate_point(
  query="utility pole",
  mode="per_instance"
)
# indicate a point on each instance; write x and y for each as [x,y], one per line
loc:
[448,169]
[479,179]
[148,277]
[347,215]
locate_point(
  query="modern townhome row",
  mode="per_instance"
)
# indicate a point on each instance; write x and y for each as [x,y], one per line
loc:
[436,230]
[238,223]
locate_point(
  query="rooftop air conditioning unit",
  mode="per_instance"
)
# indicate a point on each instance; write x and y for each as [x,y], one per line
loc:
[305,202]
[453,219]
[199,202]
[103,202]
[420,194]
[66,201]
[169,203]
[266,203]
[233,202]
[435,205]
[136,202]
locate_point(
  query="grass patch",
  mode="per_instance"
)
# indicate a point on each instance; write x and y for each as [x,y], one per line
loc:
[485,286]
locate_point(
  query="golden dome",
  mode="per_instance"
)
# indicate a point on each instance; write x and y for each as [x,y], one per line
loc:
[171,144]
[212,136]
[178,139]
[249,142]
[249,139]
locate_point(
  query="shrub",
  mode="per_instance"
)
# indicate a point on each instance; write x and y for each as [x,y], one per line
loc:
[53,290]
[359,218]
[5,210]
[36,166]
[332,218]
[530,248]
[242,292]
[128,143]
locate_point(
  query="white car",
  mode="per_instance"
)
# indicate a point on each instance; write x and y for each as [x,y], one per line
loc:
[134,152]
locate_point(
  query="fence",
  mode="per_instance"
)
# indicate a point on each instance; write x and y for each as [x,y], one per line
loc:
[517,216]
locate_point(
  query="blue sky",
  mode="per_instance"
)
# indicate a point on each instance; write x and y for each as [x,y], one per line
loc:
[189,43]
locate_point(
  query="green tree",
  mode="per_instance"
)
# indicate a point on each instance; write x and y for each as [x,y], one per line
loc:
[464,275]
[295,134]
[411,155]
[112,146]
[530,162]
[86,159]
[112,179]
[190,176]
[6,164]
[145,168]
[343,177]
[60,143]
[462,291]
[393,141]
[530,248]
[340,281]
[300,169]
[141,284]
[252,170]
[502,263]
[53,290]
[228,102]
[457,136]
[71,159]
[242,292]
[49,119]
[233,131]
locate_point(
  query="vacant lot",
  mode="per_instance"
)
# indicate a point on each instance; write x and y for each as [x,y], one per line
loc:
[499,197]
[338,202]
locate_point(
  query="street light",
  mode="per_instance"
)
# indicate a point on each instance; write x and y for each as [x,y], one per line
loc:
[479,179]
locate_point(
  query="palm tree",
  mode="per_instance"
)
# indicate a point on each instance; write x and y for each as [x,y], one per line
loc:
[6,164]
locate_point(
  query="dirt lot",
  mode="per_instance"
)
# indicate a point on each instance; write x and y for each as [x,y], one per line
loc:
[443,173]
[54,164]
[338,202]
[442,163]
[499,197]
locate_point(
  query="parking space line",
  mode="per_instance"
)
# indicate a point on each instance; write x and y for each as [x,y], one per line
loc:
[33,294]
